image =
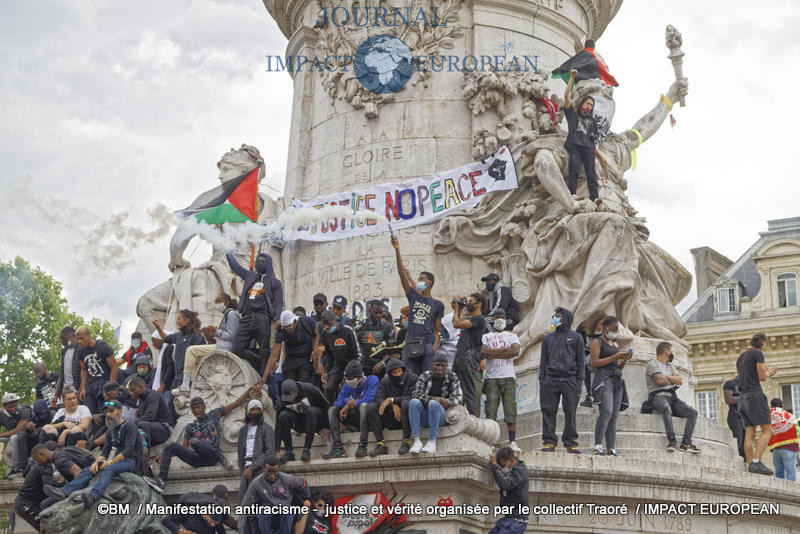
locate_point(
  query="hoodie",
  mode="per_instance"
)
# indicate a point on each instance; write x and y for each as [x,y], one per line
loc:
[272,290]
[563,358]
[501,299]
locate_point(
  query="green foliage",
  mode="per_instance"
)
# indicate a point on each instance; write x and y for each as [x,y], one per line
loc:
[32,314]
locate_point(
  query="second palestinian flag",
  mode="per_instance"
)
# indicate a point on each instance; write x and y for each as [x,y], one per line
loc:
[589,65]
[233,201]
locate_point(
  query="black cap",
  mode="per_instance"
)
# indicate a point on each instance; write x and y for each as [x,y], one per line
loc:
[339,300]
[137,335]
[113,405]
[394,363]
[490,276]
[589,43]
[497,312]
[220,491]
[111,385]
[197,400]
[440,357]
[288,389]
[320,297]
[328,316]
[353,369]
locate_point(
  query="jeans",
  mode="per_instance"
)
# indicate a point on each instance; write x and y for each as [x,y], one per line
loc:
[106,476]
[356,417]
[267,524]
[421,364]
[378,422]
[509,525]
[19,450]
[465,369]
[667,407]
[432,417]
[157,432]
[785,463]
[586,157]
[606,425]
[252,326]
[274,382]
[568,393]
[737,429]
[309,422]
[27,510]
[198,454]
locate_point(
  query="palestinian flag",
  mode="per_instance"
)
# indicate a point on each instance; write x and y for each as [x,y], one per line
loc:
[589,65]
[233,201]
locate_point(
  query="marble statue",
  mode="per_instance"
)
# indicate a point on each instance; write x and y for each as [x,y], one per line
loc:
[195,288]
[556,249]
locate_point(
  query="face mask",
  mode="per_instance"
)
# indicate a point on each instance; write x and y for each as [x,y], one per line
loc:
[470,307]
[136,343]
[598,332]
[499,324]
[490,287]
[333,329]
[353,382]
[255,419]
[220,306]
[396,380]
[261,267]
[320,513]
[671,357]
[556,321]
[611,335]
[141,372]
[69,343]
[422,286]
[404,324]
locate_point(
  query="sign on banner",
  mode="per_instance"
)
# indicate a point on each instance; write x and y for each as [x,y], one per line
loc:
[407,204]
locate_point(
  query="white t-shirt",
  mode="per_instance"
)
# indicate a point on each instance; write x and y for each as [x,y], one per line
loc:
[75,417]
[499,368]
[250,443]
[67,378]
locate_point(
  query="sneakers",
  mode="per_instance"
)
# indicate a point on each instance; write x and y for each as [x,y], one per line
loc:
[226,463]
[88,500]
[305,456]
[429,447]
[612,452]
[598,451]
[689,447]
[287,457]
[755,467]
[337,451]
[381,449]
[514,447]
[361,451]
[416,447]
[573,449]
[54,492]
[15,472]
[405,448]
[549,447]
[180,392]
[672,445]
[587,402]
[155,482]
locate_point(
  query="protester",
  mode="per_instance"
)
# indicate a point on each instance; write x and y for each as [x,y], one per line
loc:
[753,406]
[256,442]
[468,358]
[297,336]
[560,377]
[260,304]
[111,391]
[70,374]
[511,476]
[142,366]
[448,340]
[350,409]
[98,366]
[608,387]
[339,309]
[299,311]
[40,417]
[138,347]
[30,495]
[390,408]
[784,441]
[47,383]
[68,461]
[186,522]
[70,423]
[164,364]
[188,334]
[342,347]
[14,418]
[402,330]
[582,139]
[425,317]
[373,334]
[500,347]
[153,416]
[730,392]
[320,302]
[273,488]
[200,447]
[223,338]
[436,391]
[662,380]
[125,438]
[302,407]
[316,521]
[500,298]
[590,329]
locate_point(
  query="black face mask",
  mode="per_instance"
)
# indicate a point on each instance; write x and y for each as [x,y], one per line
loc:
[470,307]
[396,380]
[671,357]
[261,267]
[490,286]
[255,419]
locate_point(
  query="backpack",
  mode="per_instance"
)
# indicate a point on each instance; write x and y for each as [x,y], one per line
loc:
[307,326]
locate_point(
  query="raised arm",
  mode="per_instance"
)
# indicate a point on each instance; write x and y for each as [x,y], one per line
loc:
[568,90]
[256,388]
[652,121]
[401,270]
[235,267]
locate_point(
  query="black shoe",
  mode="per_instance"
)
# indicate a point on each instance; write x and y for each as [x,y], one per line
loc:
[54,492]
[361,451]
[337,451]
[689,447]
[88,500]
[287,457]
[672,445]
[587,402]
[760,469]
[381,449]
[404,448]
[305,455]
[14,472]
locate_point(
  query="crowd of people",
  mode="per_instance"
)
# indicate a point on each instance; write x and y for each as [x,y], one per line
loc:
[327,374]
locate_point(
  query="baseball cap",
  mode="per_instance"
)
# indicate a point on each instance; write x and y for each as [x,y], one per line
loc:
[287,318]
[111,385]
[490,276]
[10,397]
[353,368]
[497,312]
[328,316]
[288,389]
[255,403]
[136,335]
[112,405]
[339,300]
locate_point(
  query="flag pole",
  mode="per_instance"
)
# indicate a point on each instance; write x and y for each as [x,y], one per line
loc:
[253,245]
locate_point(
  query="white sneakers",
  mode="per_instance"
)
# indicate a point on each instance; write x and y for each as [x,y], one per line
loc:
[514,447]
[417,447]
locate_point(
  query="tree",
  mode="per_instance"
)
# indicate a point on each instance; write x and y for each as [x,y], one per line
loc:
[32,314]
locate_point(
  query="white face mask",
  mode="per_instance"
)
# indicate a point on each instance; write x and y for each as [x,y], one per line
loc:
[136,343]
[220,306]
[499,324]
[611,335]
[353,382]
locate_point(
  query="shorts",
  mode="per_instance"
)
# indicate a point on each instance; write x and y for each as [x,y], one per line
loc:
[504,389]
[754,409]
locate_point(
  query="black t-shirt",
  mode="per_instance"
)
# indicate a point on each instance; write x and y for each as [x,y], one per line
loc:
[94,358]
[317,525]
[46,388]
[423,312]
[436,387]
[10,421]
[298,344]
[582,133]
[256,300]
[732,385]
[748,373]
[471,337]
[65,457]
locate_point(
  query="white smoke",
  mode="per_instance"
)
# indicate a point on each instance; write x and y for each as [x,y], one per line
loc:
[231,236]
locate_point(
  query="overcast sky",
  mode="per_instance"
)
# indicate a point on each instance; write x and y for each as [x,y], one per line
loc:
[112,107]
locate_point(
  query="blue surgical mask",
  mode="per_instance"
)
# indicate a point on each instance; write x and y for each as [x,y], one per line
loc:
[333,329]
[404,324]
[421,287]
[69,343]
[556,321]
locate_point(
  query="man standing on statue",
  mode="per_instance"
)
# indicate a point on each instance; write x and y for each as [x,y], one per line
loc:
[753,405]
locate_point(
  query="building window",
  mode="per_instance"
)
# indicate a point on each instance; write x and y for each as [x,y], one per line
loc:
[787,290]
[790,395]
[726,300]
[707,404]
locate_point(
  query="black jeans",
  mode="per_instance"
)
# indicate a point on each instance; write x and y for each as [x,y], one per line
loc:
[197,454]
[335,376]
[157,431]
[576,158]
[667,407]
[568,393]
[309,422]
[28,509]
[253,326]
[298,374]
[378,422]
[737,429]
[356,418]
[465,369]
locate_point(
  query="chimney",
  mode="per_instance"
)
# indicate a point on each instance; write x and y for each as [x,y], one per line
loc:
[708,266]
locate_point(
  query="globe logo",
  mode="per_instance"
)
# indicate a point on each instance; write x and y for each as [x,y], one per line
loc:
[383,64]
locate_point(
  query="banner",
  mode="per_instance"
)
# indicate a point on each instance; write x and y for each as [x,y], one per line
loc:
[407,204]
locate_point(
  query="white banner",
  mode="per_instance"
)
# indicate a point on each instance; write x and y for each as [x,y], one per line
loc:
[407,204]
